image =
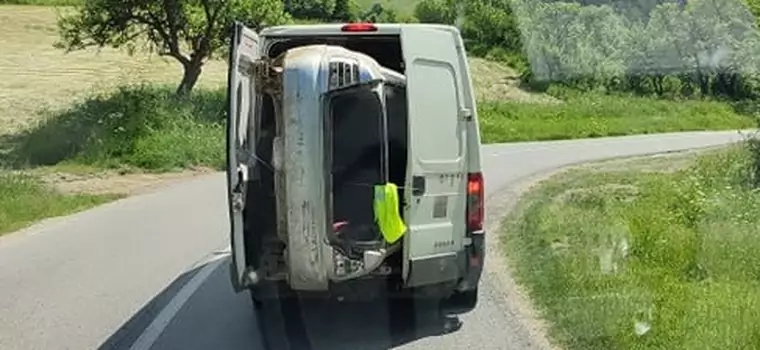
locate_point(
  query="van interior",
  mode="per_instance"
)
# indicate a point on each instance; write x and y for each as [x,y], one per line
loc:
[364,154]
[355,151]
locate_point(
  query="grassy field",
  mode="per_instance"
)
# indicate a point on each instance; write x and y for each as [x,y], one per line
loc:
[93,106]
[23,200]
[35,76]
[66,107]
[655,253]
[602,115]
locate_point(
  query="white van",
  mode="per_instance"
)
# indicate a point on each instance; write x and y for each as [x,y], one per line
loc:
[319,116]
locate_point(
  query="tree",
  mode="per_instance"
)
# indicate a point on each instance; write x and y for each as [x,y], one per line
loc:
[435,11]
[310,9]
[380,14]
[189,31]
[345,11]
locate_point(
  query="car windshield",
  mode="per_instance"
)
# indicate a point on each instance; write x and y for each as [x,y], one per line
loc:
[545,174]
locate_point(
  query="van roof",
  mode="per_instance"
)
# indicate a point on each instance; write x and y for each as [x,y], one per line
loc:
[336,29]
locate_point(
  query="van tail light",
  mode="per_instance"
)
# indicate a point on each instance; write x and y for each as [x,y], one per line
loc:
[359,27]
[475,202]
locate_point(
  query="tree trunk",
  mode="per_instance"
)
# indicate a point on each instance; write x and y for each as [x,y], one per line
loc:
[190,76]
[658,84]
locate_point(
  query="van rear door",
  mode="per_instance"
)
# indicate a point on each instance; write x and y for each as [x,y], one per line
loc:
[436,171]
[241,95]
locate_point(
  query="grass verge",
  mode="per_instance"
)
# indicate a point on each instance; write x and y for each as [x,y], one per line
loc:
[603,115]
[644,259]
[24,200]
[139,126]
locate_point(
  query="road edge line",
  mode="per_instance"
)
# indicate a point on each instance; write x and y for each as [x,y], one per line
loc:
[153,331]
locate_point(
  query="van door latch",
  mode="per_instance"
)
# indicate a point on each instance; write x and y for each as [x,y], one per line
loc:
[418,185]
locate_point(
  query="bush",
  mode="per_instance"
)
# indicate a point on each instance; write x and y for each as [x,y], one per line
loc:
[141,126]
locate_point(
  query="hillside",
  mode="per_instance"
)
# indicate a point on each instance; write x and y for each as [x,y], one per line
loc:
[495,81]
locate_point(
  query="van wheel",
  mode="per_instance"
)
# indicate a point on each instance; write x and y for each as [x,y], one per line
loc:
[461,302]
[279,320]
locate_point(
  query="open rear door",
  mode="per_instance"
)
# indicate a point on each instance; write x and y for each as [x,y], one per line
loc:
[436,172]
[241,95]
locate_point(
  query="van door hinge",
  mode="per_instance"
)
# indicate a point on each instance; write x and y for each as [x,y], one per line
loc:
[465,114]
[267,73]
[238,202]
[238,193]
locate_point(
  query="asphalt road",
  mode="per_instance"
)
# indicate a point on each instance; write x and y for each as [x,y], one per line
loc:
[152,271]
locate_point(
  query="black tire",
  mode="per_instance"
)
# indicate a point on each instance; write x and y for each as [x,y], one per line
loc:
[461,302]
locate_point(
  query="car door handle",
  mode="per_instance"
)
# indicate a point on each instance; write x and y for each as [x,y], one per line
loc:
[418,185]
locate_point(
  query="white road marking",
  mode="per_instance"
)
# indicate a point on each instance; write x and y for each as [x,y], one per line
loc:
[157,326]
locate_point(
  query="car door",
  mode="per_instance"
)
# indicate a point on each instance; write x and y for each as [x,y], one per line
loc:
[436,172]
[241,94]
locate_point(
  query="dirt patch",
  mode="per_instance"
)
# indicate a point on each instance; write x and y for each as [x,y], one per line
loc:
[111,182]
[659,163]
[494,81]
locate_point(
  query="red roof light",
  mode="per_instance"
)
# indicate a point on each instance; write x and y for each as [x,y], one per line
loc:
[359,27]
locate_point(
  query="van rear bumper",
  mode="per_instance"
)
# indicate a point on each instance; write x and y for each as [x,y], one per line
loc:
[461,270]
[469,262]
[473,267]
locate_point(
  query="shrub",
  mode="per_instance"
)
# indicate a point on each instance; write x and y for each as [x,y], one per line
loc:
[142,126]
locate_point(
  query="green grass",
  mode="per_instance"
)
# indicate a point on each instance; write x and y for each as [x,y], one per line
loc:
[138,126]
[602,115]
[25,200]
[676,252]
